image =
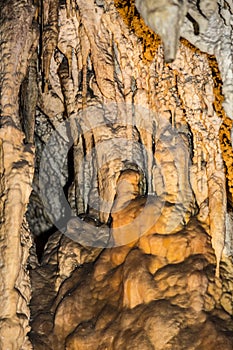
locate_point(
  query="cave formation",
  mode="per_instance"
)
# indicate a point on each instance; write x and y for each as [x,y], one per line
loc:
[116,174]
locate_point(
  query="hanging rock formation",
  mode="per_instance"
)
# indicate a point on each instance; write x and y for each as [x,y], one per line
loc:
[128,107]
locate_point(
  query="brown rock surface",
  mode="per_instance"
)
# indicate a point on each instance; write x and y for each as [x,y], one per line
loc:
[129,298]
[131,208]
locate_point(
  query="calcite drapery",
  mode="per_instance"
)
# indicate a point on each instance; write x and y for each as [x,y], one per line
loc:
[18,40]
[108,289]
[91,55]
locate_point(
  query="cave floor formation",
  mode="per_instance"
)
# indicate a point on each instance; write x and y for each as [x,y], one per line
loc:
[159,292]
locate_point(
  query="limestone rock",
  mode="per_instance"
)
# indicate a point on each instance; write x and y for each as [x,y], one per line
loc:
[126,107]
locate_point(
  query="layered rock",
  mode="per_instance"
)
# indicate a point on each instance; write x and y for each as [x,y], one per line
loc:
[16,174]
[147,157]
[133,168]
[15,293]
[159,292]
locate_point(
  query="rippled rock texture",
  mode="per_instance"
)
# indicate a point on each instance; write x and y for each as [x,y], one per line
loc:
[122,110]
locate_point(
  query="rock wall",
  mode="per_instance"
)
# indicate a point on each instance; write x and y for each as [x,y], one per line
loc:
[17,169]
[133,175]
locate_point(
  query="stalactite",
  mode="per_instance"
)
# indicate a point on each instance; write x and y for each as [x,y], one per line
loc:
[15,52]
[225,128]
[217,212]
[166,19]
[29,96]
[49,37]
[226,147]
[131,114]
[70,8]
[85,49]
[67,87]
[101,54]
